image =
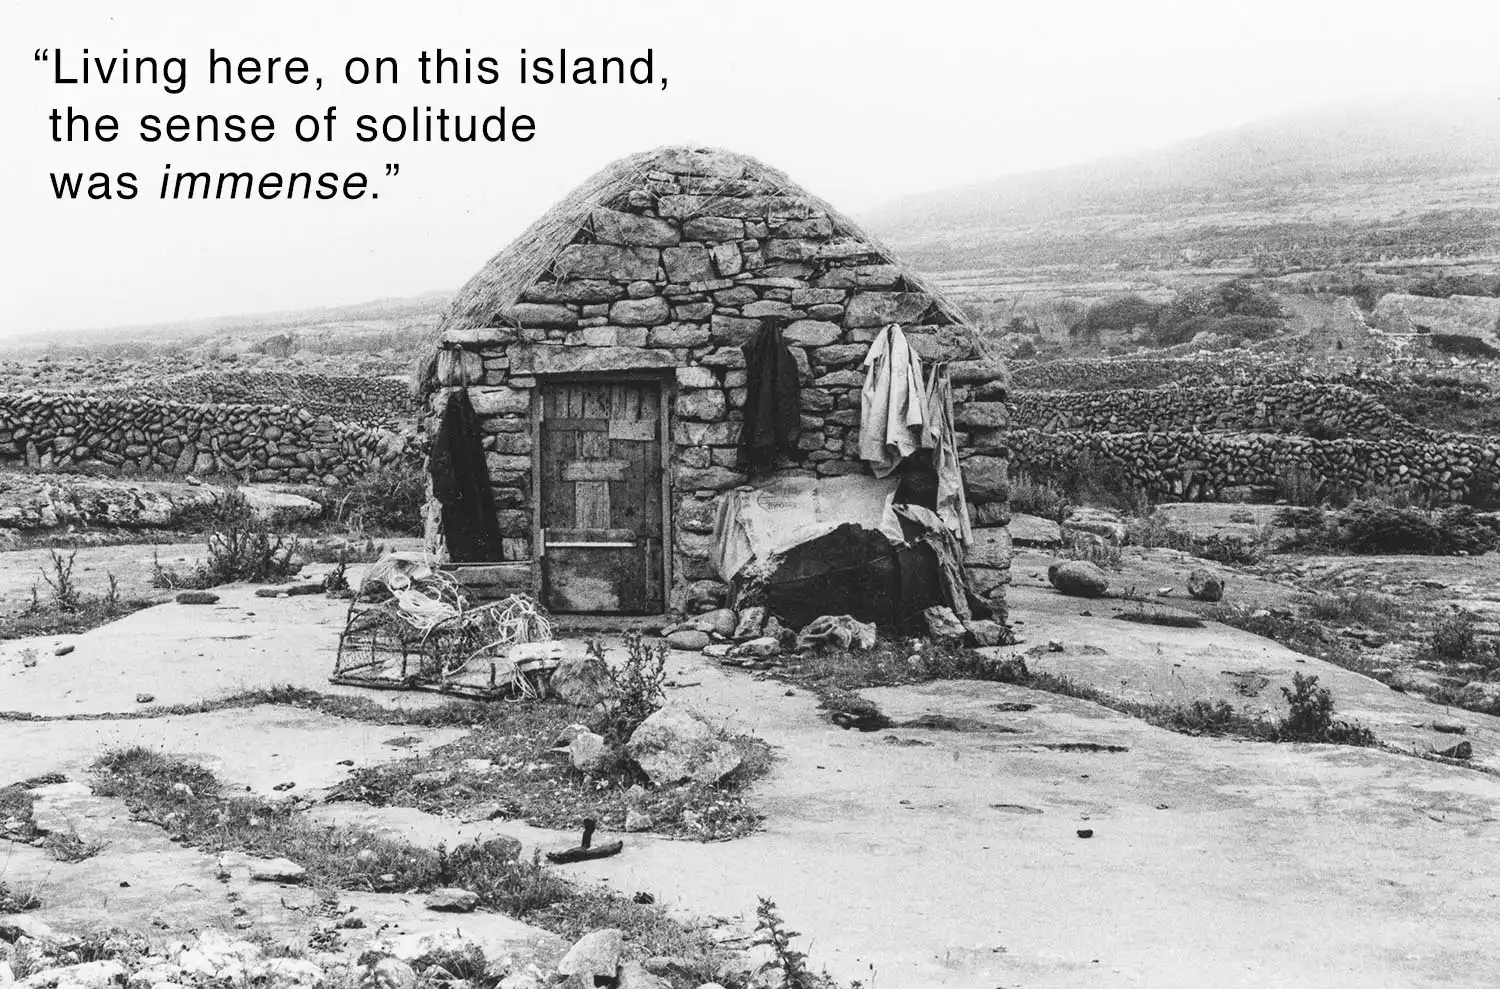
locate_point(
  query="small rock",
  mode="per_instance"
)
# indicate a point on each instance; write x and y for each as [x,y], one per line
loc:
[717,650]
[757,648]
[452,900]
[1462,750]
[587,751]
[677,744]
[389,973]
[144,698]
[1053,645]
[582,681]
[1085,832]
[299,972]
[1449,726]
[751,620]
[1078,578]
[720,621]
[197,597]
[1204,586]
[688,639]
[596,956]
[983,632]
[276,871]
[633,975]
[637,819]
[943,625]
[62,650]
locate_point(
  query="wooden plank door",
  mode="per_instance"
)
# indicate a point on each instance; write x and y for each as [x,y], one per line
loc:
[601,497]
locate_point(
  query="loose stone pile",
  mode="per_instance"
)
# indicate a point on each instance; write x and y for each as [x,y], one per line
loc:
[385,402]
[267,443]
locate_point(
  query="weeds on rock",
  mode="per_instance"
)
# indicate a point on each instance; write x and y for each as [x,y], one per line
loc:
[771,932]
[67,846]
[241,546]
[192,806]
[1310,718]
[1455,639]
[639,685]
[68,610]
[14,899]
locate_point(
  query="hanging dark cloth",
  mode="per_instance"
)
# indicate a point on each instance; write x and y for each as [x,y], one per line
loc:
[461,484]
[773,399]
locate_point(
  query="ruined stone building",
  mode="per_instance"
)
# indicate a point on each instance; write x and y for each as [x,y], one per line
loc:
[601,352]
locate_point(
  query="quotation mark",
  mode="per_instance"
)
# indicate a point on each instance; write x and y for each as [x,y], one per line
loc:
[392,170]
[41,55]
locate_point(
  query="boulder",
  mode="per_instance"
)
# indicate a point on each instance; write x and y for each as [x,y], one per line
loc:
[1205,586]
[1032,530]
[751,620]
[1481,695]
[983,632]
[595,957]
[688,639]
[582,681]
[276,871]
[587,751]
[1096,522]
[677,744]
[1078,578]
[279,507]
[88,975]
[389,973]
[759,648]
[720,621]
[943,625]
[842,631]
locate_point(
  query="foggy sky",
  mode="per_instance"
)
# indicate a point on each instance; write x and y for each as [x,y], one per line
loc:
[861,102]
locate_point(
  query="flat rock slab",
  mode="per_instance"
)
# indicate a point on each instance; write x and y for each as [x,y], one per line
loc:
[260,747]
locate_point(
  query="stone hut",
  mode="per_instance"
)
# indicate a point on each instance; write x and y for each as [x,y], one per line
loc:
[601,352]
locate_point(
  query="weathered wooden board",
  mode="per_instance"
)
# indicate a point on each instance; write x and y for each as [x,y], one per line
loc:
[600,477]
[595,470]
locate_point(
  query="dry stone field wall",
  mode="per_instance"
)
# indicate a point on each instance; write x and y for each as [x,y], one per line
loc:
[385,402]
[677,275]
[1237,426]
[1302,407]
[1210,466]
[263,442]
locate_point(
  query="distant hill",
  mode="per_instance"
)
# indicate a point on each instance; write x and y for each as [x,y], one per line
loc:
[397,324]
[1340,184]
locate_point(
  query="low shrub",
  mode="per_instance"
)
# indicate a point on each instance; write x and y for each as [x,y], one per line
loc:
[1310,716]
[639,686]
[241,546]
[386,501]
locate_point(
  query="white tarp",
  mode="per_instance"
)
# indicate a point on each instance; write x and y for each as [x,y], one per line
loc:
[757,523]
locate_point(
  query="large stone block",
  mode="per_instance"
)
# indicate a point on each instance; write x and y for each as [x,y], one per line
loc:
[695,377]
[982,415]
[528,358]
[986,479]
[628,229]
[816,226]
[608,261]
[840,353]
[989,548]
[714,229]
[679,335]
[811,333]
[640,312]
[884,308]
[728,261]
[500,401]
[708,478]
[860,276]
[703,405]
[768,307]
[733,331]
[543,314]
[751,207]
[687,263]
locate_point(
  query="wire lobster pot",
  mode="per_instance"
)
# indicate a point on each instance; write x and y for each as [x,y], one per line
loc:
[411,626]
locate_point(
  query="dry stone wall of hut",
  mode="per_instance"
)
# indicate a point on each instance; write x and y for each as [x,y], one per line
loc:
[679,278]
[264,442]
[1233,466]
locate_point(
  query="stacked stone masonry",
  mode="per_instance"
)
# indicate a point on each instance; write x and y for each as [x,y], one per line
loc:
[678,278]
[1300,407]
[1210,466]
[382,402]
[148,436]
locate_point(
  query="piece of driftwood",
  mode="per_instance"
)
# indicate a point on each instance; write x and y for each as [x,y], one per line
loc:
[586,848]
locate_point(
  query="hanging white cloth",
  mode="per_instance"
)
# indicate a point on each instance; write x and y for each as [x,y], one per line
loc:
[893,403]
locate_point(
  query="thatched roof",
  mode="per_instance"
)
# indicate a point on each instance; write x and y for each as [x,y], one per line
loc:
[716,174]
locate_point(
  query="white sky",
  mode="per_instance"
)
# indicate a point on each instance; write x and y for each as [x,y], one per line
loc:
[859,101]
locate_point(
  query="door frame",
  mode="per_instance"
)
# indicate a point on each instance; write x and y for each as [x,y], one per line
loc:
[664,381]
